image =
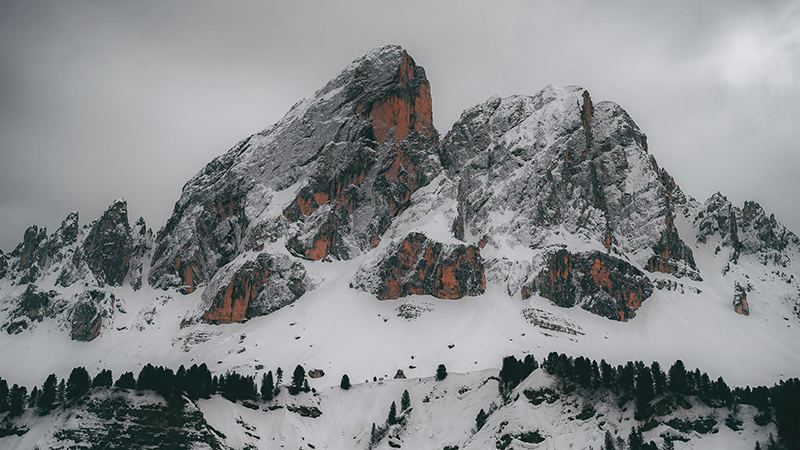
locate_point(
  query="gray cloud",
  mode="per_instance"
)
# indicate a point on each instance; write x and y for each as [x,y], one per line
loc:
[100,100]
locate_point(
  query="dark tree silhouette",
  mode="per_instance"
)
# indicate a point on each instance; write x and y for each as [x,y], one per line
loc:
[441,372]
[48,396]
[267,387]
[78,383]
[345,384]
[126,381]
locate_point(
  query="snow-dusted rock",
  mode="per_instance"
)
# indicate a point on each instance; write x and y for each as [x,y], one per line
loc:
[422,266]
[247,288]
[330,175]
[599,283]
[531,167]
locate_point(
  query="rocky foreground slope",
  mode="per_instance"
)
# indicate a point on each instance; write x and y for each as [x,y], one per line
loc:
[350,236]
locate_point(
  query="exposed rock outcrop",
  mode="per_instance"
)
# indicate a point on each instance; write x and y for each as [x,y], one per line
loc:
[3,264]
[86,315]
[32,306]
[107,248]
[421,266]
[331,175]
[745,230]
[533,167]
[599,283]
[141,245]
[31,254]
[740,305]
[256,287]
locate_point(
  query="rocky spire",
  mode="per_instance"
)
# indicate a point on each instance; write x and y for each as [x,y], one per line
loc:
[107,247]
[330,175]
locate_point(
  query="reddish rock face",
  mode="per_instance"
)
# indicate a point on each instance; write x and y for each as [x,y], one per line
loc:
[400,121]
[231,304]
[424,267]
[740,300]
[671,251]
[86,322]
[600,283]
[256,288]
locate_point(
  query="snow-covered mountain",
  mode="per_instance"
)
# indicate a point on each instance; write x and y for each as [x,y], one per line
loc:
[348,237]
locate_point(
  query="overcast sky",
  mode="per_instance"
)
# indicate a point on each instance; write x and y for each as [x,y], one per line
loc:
[108,99]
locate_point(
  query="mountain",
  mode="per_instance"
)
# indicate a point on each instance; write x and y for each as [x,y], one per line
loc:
[350,238]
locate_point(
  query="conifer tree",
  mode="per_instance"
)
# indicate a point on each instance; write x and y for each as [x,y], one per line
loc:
[3,395]
[392,419]
[345,383]
[480,420]
[609,442]
[267,387]
[62,391]
[677,378]
[78,383]
[278,381]
[16,400]
[34,397]
[405,401]
[48,395]
[298,377]
[126,381]
[441,372]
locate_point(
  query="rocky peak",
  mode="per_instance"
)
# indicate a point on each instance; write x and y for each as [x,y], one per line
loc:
[330,175]
[30,250]
[746,230]
[533,167]
[107,247]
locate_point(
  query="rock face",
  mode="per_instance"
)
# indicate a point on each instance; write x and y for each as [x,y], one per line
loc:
[86,315]
[108,246]
[421,266]
[740,300]
[141,244]
[32,306]
[599,283]
[330,175]
[533,167]
[745,230]
[256,287]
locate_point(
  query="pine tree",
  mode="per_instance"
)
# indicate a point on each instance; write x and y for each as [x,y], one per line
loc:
[103,379]
[509,374]
[480,420]
[392,419]
[48,396]
[345,384]
[78,383]
[62,391]
[405,401]
[305,386]
[298,377]
[441,372]
[267,386]
[278,381]
[147,379]
[3,395]
[659,378]
[126,381]
[16,400]
[668,445]
[34,397]
[609,442]
[677,378]
[635,439]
